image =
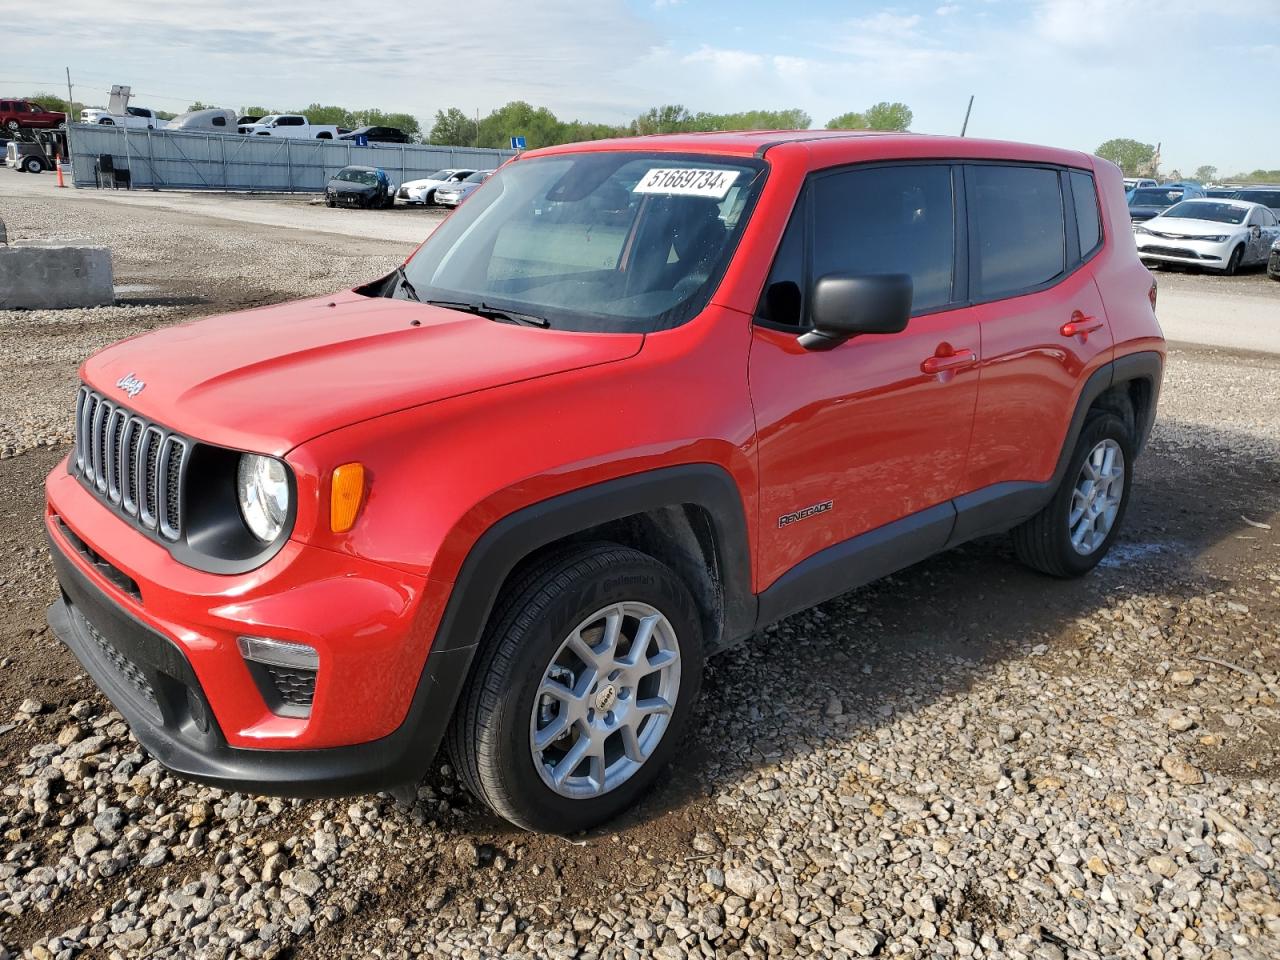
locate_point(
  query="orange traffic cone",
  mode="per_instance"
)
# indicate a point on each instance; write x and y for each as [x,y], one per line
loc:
[57,162]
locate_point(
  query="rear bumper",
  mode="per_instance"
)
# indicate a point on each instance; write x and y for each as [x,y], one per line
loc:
[149,679]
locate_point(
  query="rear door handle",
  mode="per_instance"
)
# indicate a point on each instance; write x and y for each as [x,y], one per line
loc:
[956,361]
[1081,325]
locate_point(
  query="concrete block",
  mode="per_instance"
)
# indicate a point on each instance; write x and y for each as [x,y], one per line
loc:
[49,277]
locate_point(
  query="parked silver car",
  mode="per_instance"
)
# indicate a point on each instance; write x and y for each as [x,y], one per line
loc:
[452,194]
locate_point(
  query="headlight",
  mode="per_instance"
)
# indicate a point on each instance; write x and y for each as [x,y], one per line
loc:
[1140,229]
[1213,239]
[263,490]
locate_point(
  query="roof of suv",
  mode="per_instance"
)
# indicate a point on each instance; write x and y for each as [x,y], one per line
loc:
[749,143]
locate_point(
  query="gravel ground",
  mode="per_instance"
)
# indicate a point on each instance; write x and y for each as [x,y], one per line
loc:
[965,759]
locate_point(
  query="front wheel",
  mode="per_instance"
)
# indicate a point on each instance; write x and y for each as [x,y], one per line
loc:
[1071,535]
[1233,264]
[32,165]
[584,686]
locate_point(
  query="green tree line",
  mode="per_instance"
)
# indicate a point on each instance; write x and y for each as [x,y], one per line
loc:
[1137,159]
[542,128]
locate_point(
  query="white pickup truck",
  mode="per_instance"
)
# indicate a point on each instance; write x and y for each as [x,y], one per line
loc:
[292,125]
[139,117]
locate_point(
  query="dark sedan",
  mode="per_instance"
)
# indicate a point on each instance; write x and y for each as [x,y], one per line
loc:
[368,187]
[378,135]
[1148,202]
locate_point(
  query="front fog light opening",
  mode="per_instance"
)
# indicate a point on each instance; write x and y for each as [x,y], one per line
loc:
[285,673]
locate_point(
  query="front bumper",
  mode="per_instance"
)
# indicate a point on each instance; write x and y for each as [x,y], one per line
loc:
[1213,255]
[448,199]
[150,681]
[159,638]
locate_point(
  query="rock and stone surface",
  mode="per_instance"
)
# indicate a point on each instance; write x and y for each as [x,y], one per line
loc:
[1018,767]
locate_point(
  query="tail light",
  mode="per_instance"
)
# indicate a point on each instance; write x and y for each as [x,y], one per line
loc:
[1151,295]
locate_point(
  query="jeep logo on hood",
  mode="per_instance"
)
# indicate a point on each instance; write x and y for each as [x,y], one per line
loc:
[130,384]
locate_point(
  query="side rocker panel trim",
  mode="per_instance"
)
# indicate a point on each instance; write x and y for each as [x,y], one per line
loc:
[857,561]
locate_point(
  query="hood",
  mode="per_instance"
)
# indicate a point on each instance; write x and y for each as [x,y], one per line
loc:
[419,184]
[1145,213]
[350,186]
[1193,228]
[269,379]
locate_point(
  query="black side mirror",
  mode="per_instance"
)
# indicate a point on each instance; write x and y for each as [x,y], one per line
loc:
[844,305]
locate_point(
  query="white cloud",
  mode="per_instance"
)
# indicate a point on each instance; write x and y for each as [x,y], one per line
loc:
[726,61]
[947,9]
[1092,24]
[561,53]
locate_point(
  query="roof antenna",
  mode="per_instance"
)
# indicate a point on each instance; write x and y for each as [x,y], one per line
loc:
[968,110]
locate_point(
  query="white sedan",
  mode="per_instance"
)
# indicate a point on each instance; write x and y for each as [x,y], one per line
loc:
[424,191]
[1217,234]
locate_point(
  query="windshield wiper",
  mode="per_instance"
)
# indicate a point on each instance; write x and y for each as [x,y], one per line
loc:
[500,314]
[405,285]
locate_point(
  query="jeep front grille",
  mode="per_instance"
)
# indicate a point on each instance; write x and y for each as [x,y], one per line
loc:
[133,465]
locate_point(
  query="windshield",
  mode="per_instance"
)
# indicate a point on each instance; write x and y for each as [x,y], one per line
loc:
[1268,198]
[607,241]
[1200,210]
[1155,197]
[479,177]
[367,177]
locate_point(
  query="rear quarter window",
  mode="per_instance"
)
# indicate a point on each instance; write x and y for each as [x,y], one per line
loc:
[1088,223]
[1019,227]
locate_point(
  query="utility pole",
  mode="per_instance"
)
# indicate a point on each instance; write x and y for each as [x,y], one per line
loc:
[967,111]
[70,100]
[475,140]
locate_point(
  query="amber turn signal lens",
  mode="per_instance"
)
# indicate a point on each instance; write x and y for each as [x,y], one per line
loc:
[346,493]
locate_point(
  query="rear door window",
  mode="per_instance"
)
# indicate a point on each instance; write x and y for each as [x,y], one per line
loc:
[888,220]
[1088,223]
[1018,228]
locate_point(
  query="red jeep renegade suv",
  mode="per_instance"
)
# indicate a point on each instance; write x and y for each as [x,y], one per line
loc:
[631,402]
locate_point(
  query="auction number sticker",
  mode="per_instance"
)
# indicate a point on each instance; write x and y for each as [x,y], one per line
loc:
[687,182]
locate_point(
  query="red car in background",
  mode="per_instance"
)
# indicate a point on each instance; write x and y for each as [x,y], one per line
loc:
[17,114]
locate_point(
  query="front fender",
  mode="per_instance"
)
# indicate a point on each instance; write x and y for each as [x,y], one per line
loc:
[442,474]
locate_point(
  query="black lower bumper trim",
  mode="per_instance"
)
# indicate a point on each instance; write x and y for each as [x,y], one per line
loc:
[177,727]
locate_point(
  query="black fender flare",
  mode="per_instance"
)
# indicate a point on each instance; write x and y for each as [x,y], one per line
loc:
[407,752]
[516,536]
[1003,506]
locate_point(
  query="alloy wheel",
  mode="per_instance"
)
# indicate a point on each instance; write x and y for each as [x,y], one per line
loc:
[1095,501]
[605,700]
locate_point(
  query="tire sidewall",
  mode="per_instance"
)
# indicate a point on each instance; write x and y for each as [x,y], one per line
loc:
[646,582]
[1234,261]
[1103,427]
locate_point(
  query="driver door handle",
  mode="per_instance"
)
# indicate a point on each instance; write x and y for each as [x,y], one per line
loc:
[956,361]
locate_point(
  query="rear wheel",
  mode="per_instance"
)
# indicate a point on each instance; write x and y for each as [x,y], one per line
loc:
[1073,533]
[1233,264]
[12,125]
[584,686]
[33,165]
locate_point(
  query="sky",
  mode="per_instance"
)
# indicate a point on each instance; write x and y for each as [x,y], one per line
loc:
[1069,73]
